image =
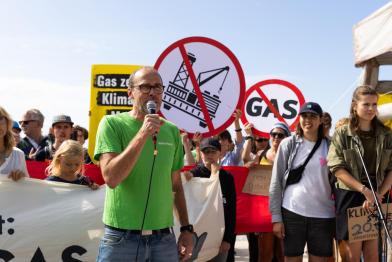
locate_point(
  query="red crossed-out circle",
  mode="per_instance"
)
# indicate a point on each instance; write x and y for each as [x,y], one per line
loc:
[180,44]
[258,88]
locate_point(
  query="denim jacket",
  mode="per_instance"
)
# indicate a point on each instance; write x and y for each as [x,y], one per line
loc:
[343,154]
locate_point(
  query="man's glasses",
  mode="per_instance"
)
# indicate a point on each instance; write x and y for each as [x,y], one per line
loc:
[277,135]
[26,122]
[146,89]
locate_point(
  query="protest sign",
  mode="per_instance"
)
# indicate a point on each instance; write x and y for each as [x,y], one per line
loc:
[362,224]
[258,180]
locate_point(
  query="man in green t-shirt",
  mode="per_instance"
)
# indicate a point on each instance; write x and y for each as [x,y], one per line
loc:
[140,155]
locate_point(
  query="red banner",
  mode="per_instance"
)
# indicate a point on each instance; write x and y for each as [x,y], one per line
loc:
[252,211]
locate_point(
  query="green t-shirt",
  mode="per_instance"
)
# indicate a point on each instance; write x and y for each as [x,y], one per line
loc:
[125,204]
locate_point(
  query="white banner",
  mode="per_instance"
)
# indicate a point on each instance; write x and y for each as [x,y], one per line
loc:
[50,221]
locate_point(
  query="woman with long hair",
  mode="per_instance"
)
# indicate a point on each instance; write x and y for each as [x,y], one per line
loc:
[352,186]
[12,160]
[301,202]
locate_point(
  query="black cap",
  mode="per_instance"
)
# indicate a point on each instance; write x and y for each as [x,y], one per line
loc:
[311,107]
[210,142]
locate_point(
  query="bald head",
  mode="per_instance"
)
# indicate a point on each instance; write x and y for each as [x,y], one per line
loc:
[141,73]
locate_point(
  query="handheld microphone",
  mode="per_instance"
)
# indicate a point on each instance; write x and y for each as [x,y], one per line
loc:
[152,109]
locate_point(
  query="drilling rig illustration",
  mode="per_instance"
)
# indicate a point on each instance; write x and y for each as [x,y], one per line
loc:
[178,96]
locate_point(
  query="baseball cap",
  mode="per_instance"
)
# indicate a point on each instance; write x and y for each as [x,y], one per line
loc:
[311,107]
[210,142]
[16,126]
[61,119]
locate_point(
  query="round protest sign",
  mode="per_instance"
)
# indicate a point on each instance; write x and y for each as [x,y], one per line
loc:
[204,84]
[271,101]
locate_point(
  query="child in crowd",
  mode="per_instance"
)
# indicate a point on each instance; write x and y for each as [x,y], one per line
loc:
[67,164]
[210,152]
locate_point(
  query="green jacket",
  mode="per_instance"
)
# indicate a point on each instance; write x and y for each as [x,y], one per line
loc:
[343,154]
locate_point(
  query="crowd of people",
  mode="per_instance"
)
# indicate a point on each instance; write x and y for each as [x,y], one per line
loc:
[315,177]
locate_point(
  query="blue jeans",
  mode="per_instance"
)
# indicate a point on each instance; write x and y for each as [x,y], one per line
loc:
[121,246]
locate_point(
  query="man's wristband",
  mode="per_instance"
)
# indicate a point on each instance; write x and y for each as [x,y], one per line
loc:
[249,138]
[188,228]
[238,130]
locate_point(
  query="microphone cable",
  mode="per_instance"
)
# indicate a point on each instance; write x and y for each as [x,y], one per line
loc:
[148,198]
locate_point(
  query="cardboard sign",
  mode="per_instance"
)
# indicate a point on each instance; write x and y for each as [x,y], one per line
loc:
[362,224]
[108,96]
[204,84]
[258,181]
[271,101]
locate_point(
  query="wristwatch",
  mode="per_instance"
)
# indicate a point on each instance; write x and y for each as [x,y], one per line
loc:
[188,228]
[249,138]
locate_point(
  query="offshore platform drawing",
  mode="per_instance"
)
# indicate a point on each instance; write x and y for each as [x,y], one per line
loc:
[178,96]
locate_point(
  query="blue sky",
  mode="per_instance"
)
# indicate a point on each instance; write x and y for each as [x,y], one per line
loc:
[47,47]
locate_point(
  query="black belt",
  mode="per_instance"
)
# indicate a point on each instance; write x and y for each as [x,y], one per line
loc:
[145,232]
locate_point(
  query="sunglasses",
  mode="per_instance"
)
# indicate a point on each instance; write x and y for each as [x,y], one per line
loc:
[26,122]
[261,140]
[277,135]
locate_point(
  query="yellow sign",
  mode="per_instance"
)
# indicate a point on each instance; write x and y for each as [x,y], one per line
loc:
[108,95]
[386,99]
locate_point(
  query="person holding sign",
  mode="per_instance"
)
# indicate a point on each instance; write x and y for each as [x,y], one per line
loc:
[140,155]
[301,205]
[352,187]
[210,151]
[254,147]
[269,245]
[232,157]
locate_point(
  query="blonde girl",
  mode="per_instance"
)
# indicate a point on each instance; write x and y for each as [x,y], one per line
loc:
[67,164]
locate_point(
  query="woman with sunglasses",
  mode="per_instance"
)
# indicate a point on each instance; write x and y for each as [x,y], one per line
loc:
[12,159]
[352,187]
[254,148]
[301,205]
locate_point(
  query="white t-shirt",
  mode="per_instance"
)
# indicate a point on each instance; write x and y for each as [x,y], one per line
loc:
[311,196]
[15,161]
